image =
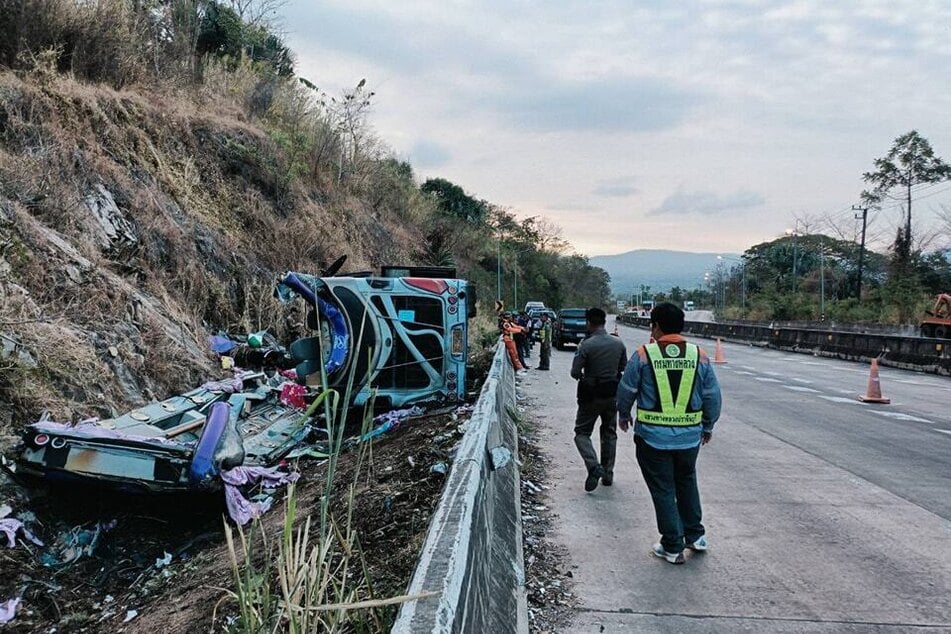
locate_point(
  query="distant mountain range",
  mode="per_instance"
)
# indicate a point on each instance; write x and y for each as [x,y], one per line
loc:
[659,269]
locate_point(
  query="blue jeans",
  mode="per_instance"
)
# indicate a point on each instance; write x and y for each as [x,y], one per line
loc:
[671,477]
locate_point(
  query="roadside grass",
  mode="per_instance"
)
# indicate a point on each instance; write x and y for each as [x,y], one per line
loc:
[316,578]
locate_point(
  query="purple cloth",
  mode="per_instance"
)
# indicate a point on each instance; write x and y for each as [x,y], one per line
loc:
[8,610]
[241,509]
[10,526]
[391,420]
[230,386]
[221,345]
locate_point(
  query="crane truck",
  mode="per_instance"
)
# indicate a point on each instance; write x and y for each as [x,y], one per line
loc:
[938,322]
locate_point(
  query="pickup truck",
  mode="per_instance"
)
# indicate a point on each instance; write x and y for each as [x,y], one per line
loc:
[570,327]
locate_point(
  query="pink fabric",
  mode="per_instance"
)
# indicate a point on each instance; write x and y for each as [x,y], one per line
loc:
[293,395]
[241,509]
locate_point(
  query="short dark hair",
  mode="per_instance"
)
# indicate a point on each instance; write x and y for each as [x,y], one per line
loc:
[668,317]
[596,316]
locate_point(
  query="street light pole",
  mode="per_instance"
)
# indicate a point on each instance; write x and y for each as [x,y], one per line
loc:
[742,264]
[794,233]
[822,280]
[515,303]
[864,211]
[498,271]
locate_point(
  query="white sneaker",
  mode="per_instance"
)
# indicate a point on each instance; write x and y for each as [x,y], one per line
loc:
[674,558]
[700,545]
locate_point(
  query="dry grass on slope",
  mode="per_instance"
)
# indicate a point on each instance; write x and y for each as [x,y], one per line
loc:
[133,223]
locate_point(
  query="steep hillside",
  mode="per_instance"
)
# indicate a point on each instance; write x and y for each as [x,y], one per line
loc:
[134,223]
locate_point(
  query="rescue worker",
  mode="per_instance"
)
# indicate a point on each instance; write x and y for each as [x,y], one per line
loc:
[544,333]
[678,403]
[597,366]
[509,329]
[523,338]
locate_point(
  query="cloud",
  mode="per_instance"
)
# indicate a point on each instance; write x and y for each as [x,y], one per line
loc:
[615,188]
[707,203]
[428,154]
[612,104]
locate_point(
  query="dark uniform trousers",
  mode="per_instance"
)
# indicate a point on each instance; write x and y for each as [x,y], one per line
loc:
[588,414]
[545,360]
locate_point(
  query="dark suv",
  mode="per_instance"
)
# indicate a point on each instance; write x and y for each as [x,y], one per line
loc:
[570,327]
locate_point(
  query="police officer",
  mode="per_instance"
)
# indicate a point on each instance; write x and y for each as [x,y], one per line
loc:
[597,366]
[544,334]
[678,403]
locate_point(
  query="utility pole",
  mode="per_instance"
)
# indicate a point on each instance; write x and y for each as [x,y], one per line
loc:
[498,271]
[822,280]
[515,303]
[864,217]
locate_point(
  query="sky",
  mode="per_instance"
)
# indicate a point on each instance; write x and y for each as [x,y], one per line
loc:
[690,125]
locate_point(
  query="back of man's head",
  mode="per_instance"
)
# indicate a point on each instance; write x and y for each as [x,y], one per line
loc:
[668,317]
[595,316]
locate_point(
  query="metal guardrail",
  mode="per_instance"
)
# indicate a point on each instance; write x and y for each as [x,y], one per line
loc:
[471,562]
[912,353]
[833,326]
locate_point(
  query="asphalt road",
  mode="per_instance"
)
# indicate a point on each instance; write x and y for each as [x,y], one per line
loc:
[824,514]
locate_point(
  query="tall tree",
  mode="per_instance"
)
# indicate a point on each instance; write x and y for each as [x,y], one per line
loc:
[909,162]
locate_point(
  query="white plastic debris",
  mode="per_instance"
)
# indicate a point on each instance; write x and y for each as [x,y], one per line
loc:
[163,561]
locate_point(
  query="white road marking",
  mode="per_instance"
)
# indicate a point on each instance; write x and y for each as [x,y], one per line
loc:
[943,431]
[840,399]
[812,363]
[746,367]
[766,379]
[798,380]
[921,383]
[900,416]
[744,372]
[774,373]
[799,388]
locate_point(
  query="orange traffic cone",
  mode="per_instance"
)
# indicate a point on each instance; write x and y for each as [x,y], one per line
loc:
[718,353]
[874,391]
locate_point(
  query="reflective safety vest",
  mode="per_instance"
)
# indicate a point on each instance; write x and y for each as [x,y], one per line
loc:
[666,360]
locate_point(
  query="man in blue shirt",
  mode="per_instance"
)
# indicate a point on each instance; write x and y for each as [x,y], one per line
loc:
[678,403]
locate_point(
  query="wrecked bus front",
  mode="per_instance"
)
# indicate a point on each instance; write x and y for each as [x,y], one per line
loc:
[405,337]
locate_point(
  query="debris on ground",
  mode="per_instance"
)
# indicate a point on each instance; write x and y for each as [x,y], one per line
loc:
[165,558]
[8,610]
[10,526]
[547,576]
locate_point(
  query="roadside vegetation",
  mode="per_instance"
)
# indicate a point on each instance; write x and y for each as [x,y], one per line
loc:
[160,164]
[821,270]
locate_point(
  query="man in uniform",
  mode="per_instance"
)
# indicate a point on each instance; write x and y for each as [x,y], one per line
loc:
[544,333]
[597,366]
[678,403]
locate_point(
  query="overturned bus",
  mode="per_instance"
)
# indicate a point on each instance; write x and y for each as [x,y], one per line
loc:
[399,338]
[403,334]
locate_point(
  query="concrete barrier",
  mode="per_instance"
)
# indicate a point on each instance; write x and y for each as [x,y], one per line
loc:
[472,557]
[911,353]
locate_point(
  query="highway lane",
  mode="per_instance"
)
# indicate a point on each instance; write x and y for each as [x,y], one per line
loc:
[811,403]
[825,514]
